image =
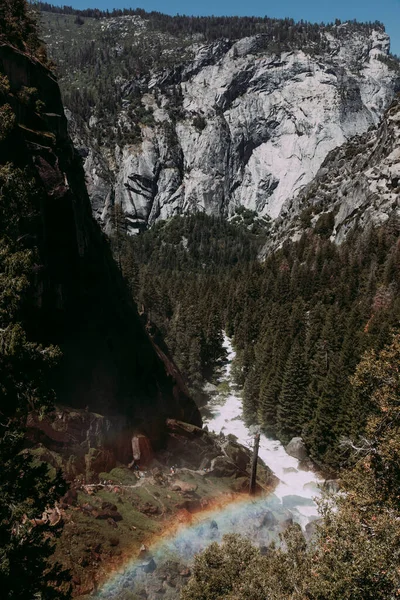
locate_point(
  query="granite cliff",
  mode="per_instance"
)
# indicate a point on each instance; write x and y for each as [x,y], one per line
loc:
[356,187]
[234,122]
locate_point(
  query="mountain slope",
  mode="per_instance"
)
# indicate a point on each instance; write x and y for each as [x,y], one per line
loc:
[356,187]
[77,298]
[211,125]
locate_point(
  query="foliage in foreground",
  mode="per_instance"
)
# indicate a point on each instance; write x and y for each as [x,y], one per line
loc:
[356,551]
[18,26]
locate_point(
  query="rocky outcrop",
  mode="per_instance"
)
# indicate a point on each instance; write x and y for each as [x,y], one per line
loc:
[297,448]
[357,186]
[239,125]
[192,448]
[78,300]
[81,443]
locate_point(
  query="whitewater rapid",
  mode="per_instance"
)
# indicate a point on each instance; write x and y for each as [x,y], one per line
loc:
[224,414]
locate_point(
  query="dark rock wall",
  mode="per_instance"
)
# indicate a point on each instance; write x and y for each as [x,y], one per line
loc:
[79,300]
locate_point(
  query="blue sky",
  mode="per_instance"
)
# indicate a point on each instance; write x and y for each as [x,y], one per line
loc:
[387,11]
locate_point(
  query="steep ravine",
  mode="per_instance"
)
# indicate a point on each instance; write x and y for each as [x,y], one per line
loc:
[164,566]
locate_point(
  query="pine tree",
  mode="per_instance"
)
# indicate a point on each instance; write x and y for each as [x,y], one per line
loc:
[292,396]
[250,396]
[268,404]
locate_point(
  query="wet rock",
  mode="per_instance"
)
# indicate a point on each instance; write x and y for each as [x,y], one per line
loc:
[242,484]
[149,566]
[238,455]
[222,467]
[189,505]
[332,486]
[311,528]
[268,520]
[189,455]
[306,465]
[293,500]
[312,486]
[296,448]
[184,516]
[287,520]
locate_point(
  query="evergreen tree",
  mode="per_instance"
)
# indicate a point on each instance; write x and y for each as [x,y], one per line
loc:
[292,396]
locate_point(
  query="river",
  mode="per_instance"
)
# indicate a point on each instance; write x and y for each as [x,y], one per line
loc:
[260,519]
[224,414]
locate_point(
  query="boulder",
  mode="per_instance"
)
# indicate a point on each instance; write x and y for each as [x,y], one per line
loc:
[312,486]
[290,470]
[296,448]
[149,566]
[238,455]
[331,485]
[222,467]
[268,520]
[311,528]
[292,500]
[108,514]
[187,488]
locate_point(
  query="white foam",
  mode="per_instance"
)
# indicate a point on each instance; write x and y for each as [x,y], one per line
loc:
[226,416]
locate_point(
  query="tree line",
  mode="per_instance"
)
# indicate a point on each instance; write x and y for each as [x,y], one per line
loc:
[300,321]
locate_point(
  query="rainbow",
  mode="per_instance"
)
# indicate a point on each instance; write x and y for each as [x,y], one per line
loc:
[257,518]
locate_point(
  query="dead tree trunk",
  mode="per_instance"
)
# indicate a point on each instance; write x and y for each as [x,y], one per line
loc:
[253,477]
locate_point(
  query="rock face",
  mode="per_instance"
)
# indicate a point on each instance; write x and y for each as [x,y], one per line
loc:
[79,300]
[240,126]
[297,448]
[190,447]
[358,185]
